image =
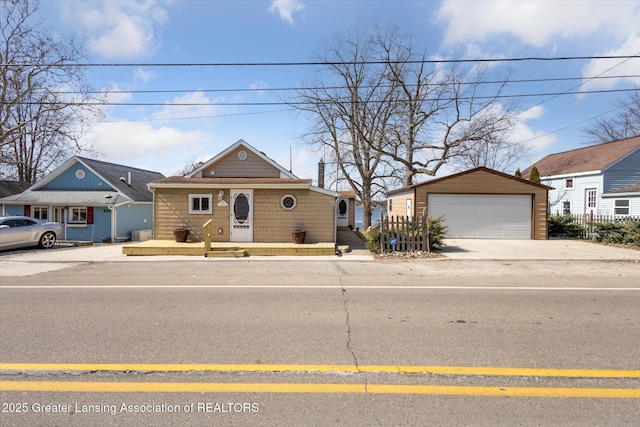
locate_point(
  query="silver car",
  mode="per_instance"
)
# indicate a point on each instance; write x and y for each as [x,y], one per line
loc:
[23,232]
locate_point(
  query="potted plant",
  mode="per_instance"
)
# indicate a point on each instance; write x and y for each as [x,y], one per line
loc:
[298,235]
[181,234]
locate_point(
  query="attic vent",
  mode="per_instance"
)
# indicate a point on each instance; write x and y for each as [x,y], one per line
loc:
[80,174]
[242,155]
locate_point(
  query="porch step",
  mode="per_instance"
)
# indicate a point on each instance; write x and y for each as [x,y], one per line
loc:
[227,253]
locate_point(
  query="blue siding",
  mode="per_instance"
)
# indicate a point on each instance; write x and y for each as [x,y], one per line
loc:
[100,228]
[132,217]
[13,210]
[624,173]
[68,181]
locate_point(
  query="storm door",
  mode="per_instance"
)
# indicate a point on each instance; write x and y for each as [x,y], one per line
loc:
[241,215]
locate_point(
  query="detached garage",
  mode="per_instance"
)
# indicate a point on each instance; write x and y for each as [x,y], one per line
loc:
[478,204]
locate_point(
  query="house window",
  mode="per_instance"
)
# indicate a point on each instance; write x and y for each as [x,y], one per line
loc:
[41,212]
[409,210]
[390,205]
[566,208]
[78,215]
[621,207]
[200,203]
[568,183]
[591,198]
[288,202]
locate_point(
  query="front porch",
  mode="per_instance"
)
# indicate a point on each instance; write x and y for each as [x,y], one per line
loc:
[227,249]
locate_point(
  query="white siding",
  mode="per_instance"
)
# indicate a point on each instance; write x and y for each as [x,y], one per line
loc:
[576,195]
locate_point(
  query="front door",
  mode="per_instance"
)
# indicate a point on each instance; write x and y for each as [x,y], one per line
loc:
[590,201]
[342,213]
[58,216]
[241,216]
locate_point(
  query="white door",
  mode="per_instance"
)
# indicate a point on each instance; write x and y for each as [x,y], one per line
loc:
[474,216]
[241,216]
[342,213]
[58,216]
[590,201]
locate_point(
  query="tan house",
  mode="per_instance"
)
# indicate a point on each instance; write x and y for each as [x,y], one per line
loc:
[248,197]
[480,203]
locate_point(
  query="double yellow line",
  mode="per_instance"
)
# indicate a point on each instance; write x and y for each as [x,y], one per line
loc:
[171,387]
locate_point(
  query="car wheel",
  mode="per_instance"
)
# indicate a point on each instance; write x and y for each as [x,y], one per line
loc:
[47,240]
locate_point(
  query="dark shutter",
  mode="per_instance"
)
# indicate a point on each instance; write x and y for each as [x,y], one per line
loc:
[27,210]
[90,215]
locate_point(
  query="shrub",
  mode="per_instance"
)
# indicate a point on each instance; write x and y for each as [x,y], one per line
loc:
[565,226]
[627,232]
[372,242]
[437,232]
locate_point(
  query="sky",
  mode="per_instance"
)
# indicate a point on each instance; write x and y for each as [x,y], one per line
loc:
[168,136]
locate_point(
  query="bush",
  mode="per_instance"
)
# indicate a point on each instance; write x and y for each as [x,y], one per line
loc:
[372,242]
[627,232]
[565,226]
[437,232]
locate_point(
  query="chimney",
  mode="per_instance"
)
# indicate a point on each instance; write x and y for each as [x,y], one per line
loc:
[321,174]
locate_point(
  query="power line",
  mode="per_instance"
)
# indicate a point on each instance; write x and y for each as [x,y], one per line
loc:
[316,63]
[280,103]
[288,89]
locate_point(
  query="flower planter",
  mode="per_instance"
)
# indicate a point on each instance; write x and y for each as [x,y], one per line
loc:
[181,234]
[298,236]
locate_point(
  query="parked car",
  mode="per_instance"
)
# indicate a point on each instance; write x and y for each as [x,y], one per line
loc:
[24,232]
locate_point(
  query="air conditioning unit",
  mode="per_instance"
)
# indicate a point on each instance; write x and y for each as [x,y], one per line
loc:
[140,235]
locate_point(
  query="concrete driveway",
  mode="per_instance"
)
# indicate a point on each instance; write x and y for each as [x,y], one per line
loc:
[484,249]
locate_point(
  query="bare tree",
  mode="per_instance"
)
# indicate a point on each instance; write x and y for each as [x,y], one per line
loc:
[351,116]
[625,124]
[498,154]
[43,100]
[440,115]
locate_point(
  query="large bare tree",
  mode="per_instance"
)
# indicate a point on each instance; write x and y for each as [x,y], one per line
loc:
[440,115]
[43,99]
[625,123]
[351,108]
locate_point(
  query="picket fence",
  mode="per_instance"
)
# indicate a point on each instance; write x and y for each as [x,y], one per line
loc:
[404,234]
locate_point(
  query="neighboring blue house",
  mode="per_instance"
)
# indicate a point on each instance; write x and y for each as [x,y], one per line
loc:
[93,200]
[599,179]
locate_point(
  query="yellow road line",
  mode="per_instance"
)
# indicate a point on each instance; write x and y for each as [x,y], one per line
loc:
[155,387]
[435,370]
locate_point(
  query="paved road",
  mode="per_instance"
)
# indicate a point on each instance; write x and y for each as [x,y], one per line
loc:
[321,342]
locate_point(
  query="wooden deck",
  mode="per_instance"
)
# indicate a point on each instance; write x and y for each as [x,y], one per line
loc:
[227,249]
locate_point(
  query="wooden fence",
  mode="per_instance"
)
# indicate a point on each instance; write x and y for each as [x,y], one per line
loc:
[404,234]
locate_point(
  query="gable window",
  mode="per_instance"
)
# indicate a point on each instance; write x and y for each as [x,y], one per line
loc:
[200,203]
[566,208]
[41,212]
[568,183]
[78,215]
[621,207]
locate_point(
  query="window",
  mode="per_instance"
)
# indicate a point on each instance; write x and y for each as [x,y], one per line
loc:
[78,215]
[566,208]
[568,183]
[390,205]
[288,202]
[591,198]
[200,203]
[409,210]
[621,207]
[41,212]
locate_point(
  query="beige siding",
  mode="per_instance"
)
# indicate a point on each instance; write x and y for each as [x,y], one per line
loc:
[482,182]
[397,204]
[230,166]
[314,212]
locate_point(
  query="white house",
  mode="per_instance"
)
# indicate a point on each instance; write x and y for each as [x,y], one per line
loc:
[599,179]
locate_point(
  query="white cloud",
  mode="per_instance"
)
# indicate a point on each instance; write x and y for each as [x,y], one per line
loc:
[523,133]
[286,8]
[612,67]
[118,29]
[536,23]
[190,109]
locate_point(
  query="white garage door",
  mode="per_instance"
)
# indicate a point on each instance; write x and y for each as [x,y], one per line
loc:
[474,216]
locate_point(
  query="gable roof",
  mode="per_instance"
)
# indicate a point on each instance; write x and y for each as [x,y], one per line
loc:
[470,171]
[588,159]
[137,190]
[111,173]
[197,173]
[9,188]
